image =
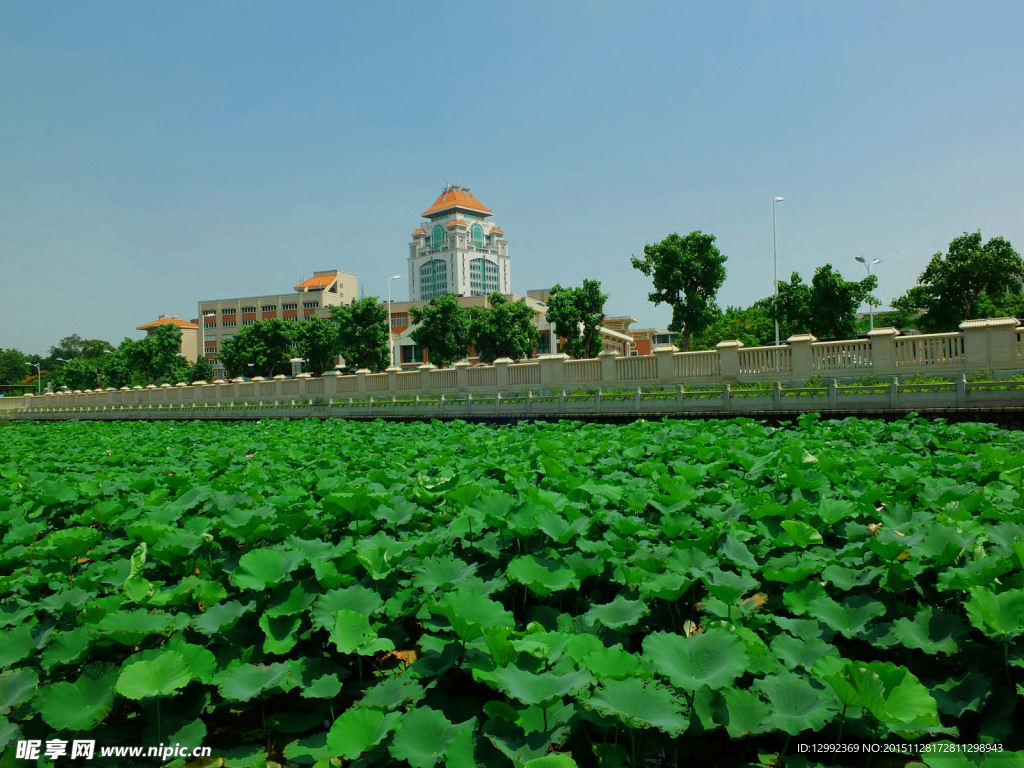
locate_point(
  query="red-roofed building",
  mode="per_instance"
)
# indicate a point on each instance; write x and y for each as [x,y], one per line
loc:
[189,333]
[458,250]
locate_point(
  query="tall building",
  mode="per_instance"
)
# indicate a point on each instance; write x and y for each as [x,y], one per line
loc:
[458,250]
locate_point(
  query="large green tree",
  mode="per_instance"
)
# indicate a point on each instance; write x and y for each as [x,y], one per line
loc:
[75,346]
[13,366]
[687,272]
[363,333]
[827,307]
[971,280]
[319,343]
[577,314]
[261,349]
[201,370]
[752,325]
[442,329]
[503,329]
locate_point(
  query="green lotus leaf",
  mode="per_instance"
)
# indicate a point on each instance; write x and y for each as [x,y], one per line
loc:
[131,627]
[158,676]
[357,730]
[620,612]
[848,618]
[470,613]
[16,687]
[639,704]
[325,687]
[81,705]
[393,692]
[541,575]
[889,692]
[963,694]
[246,681]
[65,648]
[15,645]
[221,617]
[531,688]
[800,533]
[262,568]
[932,630]
[999,615]
[421,738]
[282,632]
[352,633]
[746,713]
[311,749]
[796,705]
[442,572]
[801,653]
[354,598]
[714,658]
[554,760]
[202,664]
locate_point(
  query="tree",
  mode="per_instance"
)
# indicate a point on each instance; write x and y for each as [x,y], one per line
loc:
[687,273]
[971,280]
[75,346]
[826,308]
[13,366]
[163,347]
[503,329]
[79,373]
[266,345]
[319,343]
[577,314]
[201,370]
[363,333]
[752,325]
[442,329]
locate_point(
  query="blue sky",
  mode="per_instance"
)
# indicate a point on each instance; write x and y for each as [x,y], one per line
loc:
[156,154]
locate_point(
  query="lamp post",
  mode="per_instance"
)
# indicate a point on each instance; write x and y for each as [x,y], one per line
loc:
[871,308]
[391,336]
[39,377]
[775,269]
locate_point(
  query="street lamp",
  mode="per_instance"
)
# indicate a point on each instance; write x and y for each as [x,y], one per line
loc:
[39,377]
[391,336]
[775,268]
[871,307]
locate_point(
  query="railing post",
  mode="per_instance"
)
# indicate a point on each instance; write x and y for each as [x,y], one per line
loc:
[883,351]
[552,370]
[501,372]
[332,383]
[777,395]
[729,357]
[361,375]
[425,370]
[608,372]
[894,392]
[961,391]
[833,394]
[392,372]
[800,355]
[991,344]
[665,355]
[462,376]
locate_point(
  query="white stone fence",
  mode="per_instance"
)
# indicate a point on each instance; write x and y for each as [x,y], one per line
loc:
[991,346]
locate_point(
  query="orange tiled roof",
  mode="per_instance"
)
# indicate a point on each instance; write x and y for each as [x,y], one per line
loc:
[419,231]
[457,197]
[317,281]
[498,229]
[167,321]
[457,223]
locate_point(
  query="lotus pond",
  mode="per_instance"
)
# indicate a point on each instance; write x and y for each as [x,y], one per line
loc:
[378,594]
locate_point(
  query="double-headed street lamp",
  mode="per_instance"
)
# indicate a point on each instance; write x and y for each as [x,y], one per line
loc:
[775,269]
[871,308]
[39,377]
[391,335]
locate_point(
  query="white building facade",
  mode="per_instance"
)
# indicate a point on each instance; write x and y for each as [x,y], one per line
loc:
[458,249]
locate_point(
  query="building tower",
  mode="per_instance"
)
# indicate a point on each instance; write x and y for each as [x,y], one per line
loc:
[457,250]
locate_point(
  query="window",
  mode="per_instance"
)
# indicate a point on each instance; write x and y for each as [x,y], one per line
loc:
[210,324]
[544,344]
[400,320]
[287,307]
[310,304]
[248,310]
[433,279]
[411,354]
[270,307]
[437,237]
[229,311]
[478,234]
[229,323]
[483,277]
[661,339]
[247,322]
